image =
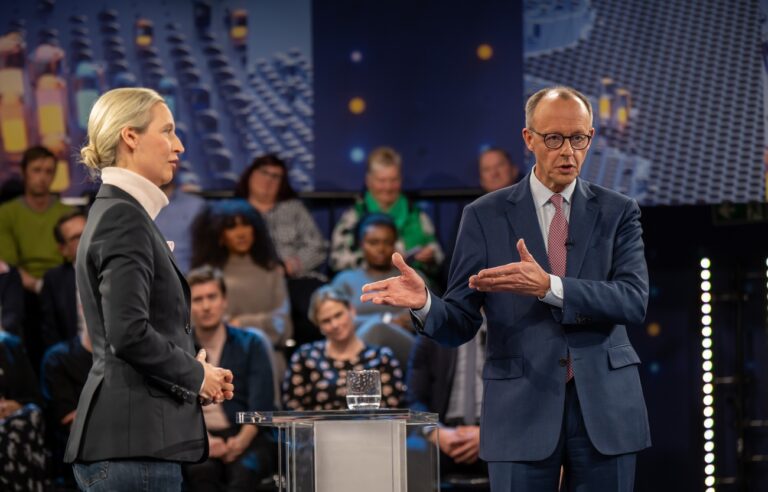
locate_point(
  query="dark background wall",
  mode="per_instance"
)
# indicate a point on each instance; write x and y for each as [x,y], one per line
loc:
[426,91]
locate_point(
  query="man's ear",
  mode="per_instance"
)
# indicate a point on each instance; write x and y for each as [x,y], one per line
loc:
[130,136]
[528,139]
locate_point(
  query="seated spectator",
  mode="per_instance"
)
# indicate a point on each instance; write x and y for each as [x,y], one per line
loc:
[377,236]
[416,232]
[27,222]
[298,241]
[11,300]
[447,381]
[239,455]
[175,220]
[316,377]
[496,170]
[58,305]
[22,440]
[232,236]
[64,371]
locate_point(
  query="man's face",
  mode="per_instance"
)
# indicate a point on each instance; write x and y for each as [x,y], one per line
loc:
[208,306]
[384,183]
[38,176]
[496,171]
[378,245]
[156,155]
[71,231]
[557,168]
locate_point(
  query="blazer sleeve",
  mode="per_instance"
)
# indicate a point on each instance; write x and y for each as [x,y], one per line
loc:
[124,256]
[455,319]
[623,297]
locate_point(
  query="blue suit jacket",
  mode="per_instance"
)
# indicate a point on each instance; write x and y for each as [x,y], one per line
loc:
[605,287]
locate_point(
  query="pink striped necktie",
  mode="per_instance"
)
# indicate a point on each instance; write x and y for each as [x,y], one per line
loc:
[557,252]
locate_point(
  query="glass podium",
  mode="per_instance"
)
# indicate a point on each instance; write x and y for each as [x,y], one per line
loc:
[353,450]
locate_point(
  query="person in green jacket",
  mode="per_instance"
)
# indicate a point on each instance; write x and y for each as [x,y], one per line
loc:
[416,233]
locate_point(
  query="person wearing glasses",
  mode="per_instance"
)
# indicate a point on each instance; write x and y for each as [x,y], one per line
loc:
[557,265]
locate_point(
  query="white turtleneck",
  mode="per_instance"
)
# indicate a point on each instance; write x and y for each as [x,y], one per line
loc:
[151,198]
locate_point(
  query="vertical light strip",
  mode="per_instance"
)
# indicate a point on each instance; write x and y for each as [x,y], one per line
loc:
[707,375]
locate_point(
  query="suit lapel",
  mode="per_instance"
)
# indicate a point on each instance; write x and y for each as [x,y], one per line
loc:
[109,191]
[584,214]
[521,214]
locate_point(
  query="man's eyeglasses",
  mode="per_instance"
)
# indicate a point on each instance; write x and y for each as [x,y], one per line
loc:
[554,141]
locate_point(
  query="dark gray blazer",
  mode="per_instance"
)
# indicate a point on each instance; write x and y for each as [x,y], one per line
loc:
[140,399]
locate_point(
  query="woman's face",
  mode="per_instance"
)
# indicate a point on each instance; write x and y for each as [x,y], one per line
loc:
[238,239]
[336,321]
[384,183]
[264,183]
[156,151]
[378,245]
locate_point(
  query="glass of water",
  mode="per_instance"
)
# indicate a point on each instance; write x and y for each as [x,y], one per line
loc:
[363,389]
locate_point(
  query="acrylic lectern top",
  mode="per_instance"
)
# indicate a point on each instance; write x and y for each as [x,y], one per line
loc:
[281,418]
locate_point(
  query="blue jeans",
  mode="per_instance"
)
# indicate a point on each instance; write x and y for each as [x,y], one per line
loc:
[128,476]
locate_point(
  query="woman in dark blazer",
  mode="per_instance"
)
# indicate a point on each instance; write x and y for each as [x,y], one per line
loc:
[139,413]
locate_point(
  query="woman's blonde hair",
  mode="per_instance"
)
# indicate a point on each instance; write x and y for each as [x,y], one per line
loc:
[113,111]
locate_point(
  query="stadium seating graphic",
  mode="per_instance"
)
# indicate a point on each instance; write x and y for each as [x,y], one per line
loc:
[695,133]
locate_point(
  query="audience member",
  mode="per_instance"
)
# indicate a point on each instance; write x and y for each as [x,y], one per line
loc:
[175,220]
[64,371]
[299,243]
[22,440]
[239,455]
[377,236]
[447,381]
[11,300]
[58,303]
[232,236]
[416,232]
[496,170]
[316,377]
[27,222]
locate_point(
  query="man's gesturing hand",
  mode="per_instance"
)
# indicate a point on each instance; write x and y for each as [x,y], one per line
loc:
[217,386]
[406,290]
[525,277]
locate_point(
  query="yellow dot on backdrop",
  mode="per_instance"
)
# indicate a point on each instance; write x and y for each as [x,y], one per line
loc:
[356,105]
[653,329]
[484,52]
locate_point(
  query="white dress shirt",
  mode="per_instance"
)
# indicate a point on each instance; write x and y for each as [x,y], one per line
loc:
[545,211]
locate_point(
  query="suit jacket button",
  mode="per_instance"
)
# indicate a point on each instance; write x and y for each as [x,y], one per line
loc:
[563,362]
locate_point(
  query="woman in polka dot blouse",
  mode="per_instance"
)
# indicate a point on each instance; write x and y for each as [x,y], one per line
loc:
[316,376]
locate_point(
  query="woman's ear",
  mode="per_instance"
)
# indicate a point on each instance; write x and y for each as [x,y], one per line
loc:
[130,137]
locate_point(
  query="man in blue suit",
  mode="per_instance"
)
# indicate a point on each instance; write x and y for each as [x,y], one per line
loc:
[561,385]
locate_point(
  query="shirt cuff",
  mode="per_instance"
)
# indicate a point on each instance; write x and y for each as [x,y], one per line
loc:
[554,295]
[421,314]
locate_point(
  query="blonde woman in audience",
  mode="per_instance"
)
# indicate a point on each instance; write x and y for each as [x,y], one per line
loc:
[316,376]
